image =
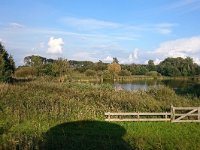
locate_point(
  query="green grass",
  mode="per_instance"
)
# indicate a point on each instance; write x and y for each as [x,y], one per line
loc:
[31,113]
[163,135]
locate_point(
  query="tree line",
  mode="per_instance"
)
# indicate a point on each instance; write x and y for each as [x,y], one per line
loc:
[172,67]
[41,66]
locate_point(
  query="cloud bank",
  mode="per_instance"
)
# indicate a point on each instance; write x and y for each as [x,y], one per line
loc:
[184,47]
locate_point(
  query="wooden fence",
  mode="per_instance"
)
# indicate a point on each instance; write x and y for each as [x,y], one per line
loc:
[177,114]
[185,114]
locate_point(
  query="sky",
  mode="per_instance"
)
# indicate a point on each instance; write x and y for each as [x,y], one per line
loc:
[134,31]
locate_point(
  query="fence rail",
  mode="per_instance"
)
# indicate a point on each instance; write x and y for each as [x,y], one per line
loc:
[177,114]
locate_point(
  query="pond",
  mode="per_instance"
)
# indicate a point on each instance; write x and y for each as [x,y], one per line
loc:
[183,87]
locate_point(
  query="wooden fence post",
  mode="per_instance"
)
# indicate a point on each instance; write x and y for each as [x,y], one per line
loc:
[138,116]
[172,113]
[109,116]
[166,116]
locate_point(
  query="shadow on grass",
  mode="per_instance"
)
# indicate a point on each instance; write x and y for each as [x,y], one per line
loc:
[1,130]
[85,135]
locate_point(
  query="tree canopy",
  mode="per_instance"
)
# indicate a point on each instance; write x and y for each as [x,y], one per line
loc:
[168,67]
[7,65]
[114,67]
[178,67]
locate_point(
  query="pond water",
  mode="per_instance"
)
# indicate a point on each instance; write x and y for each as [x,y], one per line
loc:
[183,87]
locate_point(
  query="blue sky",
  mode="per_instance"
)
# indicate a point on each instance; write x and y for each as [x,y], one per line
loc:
[134,31]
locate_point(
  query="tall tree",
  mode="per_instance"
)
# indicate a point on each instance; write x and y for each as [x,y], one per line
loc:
[7,65]
[115,60]
[151,65]
[178,67]
[61,67]
[114,67]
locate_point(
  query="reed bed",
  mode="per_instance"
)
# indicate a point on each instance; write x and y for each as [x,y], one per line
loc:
[28,110]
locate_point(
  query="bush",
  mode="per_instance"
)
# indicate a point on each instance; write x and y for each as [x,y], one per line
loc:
[90,72]
[125,73]
[107,75]
[153,73]
[24,72]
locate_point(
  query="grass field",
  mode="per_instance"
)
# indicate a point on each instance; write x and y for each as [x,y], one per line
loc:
[50,115]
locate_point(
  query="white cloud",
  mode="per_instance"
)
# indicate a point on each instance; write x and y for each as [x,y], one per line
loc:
[114,47]
[185,47]
[197,60]
[108,59]
[15,25]
[157,61]
[83,55]
[55,45]
[164,28]
[180,47]
[2,41]
[94,24]
[89,23]
[133,56]
[185,5]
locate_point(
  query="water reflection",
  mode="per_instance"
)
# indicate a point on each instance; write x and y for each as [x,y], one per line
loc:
[183,87]
[131,86]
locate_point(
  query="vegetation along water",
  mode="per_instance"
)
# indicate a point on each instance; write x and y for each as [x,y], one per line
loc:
[181,87]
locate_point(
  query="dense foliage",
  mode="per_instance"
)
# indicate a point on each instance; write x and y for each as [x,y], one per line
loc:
[178,67]
[172,67]
[7,65]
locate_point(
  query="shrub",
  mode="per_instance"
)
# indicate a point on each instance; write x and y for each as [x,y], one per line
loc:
[125,73]
[153,73]
[24,72]
[107,75]
[90,72]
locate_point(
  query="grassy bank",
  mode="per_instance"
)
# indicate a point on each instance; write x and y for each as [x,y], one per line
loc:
[78,77]
[34,112]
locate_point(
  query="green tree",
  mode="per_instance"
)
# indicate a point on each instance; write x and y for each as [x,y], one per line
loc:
[153,74]
[115,60]
[61,67]
[36,62]
[7,65]
[41,64]
[100,66]
[178,67]
[151,65]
